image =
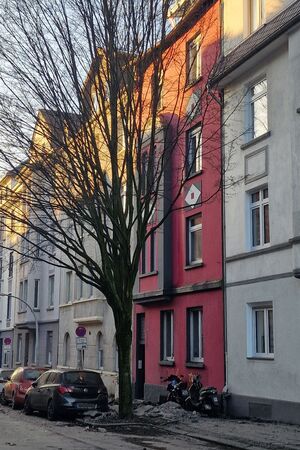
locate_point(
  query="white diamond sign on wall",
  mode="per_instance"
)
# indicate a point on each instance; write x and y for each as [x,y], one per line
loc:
[193,195]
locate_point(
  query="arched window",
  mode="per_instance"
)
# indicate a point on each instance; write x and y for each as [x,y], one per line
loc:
[100,351]
[67,350]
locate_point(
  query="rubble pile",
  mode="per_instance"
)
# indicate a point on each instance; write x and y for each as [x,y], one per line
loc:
[169,411]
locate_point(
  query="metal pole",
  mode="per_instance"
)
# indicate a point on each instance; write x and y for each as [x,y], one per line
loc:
[36,323]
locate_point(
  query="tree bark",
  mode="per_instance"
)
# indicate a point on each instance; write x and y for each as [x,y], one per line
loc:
[124,336]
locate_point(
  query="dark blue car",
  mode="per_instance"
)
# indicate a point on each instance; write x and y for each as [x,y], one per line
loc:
[66,392]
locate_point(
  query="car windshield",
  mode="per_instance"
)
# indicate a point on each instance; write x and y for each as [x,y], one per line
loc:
[32,375]
[81,377]
[5,374]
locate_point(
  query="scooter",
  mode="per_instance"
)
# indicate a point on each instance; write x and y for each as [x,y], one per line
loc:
[202,399]
[177,390]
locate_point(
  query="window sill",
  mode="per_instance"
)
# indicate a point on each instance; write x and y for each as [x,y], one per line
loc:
[254,141]
[22,312]
[199,365]
[50,308]
[167,363]
[148,274]
[192,266]
[190,84]
[261,358]
[194,174]
[36,309]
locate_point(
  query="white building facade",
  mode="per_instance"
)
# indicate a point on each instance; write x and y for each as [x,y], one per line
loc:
[260,78]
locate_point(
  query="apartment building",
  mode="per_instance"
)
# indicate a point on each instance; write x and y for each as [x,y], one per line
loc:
[260,76]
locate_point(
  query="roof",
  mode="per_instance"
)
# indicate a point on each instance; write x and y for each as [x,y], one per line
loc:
[258,40]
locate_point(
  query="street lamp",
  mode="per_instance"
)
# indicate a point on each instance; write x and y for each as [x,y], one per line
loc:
[36,323]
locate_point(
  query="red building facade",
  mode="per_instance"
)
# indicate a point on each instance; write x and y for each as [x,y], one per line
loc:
[178,311]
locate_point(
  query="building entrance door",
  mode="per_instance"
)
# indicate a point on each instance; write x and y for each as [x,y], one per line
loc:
[140,356]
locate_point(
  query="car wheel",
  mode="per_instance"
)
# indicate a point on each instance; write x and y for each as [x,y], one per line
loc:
[3,400]
[13,401]
[27,407]
[51,413]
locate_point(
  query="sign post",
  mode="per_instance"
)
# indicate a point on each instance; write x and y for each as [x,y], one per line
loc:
[81,344]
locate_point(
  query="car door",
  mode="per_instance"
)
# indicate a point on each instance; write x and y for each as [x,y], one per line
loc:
[37,391]
[46,390]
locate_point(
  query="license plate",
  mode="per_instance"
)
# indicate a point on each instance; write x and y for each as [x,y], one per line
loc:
[86,406]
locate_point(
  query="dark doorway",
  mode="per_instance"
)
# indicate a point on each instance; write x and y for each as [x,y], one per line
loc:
[26,352]
[140,356]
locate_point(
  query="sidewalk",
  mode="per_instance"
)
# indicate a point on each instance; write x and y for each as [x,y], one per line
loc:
[245,434]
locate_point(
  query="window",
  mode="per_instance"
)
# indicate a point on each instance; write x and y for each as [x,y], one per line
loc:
[147,173]
[11,264]
[194,151]
[79,284]
[194,240]
[51,291]
[67,344]
[1,268]
[194,335]
[259,211]
[100,352]
[36,294]
[157,88]
[258,109]
[194,60]
[257,14]
[148,257]
[260,332]
[24,250]
[23,295]
[167,348]
[68,286]
[8,307]
[49,348]
[19,348]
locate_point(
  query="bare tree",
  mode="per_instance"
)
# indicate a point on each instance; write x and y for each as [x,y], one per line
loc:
[84,132]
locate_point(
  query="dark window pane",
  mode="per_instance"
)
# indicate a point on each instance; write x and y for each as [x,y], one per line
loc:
[255,227]
[260,331]
[270,324]
[266,224]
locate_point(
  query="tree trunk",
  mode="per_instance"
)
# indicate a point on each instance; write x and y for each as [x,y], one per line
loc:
[124,336]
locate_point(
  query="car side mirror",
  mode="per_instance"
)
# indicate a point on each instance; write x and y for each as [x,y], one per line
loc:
[34,384]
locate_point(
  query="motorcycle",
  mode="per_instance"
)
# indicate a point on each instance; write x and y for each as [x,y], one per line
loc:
[177,390]
[202,399]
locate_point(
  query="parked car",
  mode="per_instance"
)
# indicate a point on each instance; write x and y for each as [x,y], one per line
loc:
[16,387]
[5,374]
[66,392]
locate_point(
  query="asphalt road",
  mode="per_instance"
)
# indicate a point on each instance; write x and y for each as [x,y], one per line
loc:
[35,432]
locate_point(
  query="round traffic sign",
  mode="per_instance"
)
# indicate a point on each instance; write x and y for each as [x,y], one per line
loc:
[7,341]
[80,331]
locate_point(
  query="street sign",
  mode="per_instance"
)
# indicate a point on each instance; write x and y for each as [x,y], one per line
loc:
[7,341]
[80,331]
[81,343]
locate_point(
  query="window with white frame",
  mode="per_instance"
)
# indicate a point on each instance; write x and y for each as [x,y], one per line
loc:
[257,14]
[49,345]
[8,307]
[51,291]
[259,218]
[100,351]
[261,331]
[11,264]
[79,285]
[19,348]
[258,103]
[36,294]
[193,151]
[23,295]
[148,255]
[194,335]
[193,69]
[167,336]
[194,240]
[69,276]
